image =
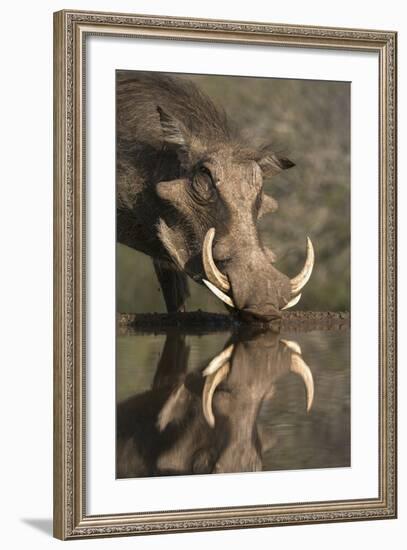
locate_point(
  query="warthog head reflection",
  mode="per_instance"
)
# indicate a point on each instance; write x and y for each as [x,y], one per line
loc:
[206,421]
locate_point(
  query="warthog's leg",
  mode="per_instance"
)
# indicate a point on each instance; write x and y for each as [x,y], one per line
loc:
[173,363]
[174,286]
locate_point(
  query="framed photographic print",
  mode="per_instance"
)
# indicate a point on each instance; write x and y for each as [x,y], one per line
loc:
[225,274]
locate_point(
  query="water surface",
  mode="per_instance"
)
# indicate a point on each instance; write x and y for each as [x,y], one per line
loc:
[248,412]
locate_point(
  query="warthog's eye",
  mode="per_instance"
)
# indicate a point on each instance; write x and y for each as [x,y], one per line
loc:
[203,184]
[258,203]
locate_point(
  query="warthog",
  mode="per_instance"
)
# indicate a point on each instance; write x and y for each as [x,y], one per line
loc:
[190,194]
[206,421]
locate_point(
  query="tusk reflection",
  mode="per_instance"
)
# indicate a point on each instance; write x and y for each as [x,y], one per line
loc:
[219,360]
[294,346]
[211,383]
[300,367]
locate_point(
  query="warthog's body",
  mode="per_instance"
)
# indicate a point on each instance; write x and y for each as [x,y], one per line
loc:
[188,186]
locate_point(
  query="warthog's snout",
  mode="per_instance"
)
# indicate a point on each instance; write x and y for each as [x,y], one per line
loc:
[251,284]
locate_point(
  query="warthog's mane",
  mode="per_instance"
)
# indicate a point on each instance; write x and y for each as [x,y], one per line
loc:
[139,94]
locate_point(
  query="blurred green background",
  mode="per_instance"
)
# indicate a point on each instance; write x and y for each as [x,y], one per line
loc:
[309,121]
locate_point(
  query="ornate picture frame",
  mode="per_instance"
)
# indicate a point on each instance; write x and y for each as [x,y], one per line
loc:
[71,518]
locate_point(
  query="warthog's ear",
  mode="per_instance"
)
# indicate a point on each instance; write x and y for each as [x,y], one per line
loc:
[272,164]
[174,132]
[174,244]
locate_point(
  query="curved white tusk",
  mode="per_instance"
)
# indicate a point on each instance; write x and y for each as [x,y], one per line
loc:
[294,346]
[218,361]
[298,282]
[211,383]
[292,302]
[300,367]
[215,276]
[219,294]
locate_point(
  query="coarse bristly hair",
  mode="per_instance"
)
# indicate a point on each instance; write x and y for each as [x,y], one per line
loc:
[153,105]
[140,94]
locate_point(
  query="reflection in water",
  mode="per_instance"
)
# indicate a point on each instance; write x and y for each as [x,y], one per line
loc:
[257,404]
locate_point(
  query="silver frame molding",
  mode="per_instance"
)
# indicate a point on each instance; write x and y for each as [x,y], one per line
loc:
[70,31]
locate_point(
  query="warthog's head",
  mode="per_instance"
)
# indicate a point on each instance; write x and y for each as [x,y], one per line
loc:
[213,203]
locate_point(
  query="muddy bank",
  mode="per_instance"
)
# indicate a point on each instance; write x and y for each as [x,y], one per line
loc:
[201,322]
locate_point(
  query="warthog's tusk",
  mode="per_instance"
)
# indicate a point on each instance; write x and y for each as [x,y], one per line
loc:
[218,361]
[219,294]
[300,367]
[298,282]
[211,383]
[292,302]
[215,276]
